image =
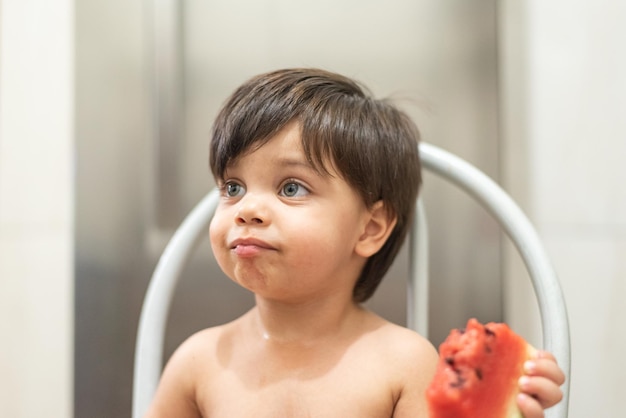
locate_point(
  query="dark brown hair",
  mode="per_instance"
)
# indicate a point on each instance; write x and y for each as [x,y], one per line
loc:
[371,143]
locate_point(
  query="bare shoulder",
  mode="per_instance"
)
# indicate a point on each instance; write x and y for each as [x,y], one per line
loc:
[199,342]
[412,360]
[403,344]
[176,393]
[192,353]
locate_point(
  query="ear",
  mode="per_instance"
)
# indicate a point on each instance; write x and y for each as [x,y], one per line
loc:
[378,226]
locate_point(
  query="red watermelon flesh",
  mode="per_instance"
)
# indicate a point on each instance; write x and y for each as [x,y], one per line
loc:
[478,372]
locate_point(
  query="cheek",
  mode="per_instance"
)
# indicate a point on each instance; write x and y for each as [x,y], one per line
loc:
[320,244]
[217,236]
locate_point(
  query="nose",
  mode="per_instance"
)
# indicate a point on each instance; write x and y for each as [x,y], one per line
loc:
[251,211]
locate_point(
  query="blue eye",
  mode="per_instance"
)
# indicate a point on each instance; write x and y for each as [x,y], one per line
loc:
[293,189]
[232,189]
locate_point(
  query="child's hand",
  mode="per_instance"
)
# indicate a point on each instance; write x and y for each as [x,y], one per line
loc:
[540,385]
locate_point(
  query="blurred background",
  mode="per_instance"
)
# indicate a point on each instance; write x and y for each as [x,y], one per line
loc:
[105,112]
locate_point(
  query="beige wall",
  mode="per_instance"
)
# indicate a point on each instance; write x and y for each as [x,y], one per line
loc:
[565,147]
[36,203]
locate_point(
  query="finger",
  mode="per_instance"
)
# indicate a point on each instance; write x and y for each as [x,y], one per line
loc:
[542,354]
[529,406]
[545,367]
[544,390]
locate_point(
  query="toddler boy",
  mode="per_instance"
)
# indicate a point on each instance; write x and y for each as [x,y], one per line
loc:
[318,183]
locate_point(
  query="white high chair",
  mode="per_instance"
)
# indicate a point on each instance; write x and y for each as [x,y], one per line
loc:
[555,327]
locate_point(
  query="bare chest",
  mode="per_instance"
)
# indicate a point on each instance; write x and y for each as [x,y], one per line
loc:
[344,390]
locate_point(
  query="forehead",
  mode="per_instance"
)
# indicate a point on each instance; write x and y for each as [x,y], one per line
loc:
[286,148]
[286,145]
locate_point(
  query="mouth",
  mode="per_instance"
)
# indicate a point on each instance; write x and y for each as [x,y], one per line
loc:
[250,247]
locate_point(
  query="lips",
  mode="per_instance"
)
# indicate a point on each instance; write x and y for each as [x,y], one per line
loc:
[250,247]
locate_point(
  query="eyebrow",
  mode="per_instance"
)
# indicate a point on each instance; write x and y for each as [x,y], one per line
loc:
[287,162]
[300,162]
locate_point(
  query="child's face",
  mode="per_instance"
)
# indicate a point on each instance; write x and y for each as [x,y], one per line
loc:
[284,231]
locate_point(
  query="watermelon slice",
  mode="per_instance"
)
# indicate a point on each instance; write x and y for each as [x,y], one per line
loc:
[478,371]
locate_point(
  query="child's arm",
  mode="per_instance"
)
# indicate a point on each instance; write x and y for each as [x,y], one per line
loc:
[420,369]
[540,385]
[175,396]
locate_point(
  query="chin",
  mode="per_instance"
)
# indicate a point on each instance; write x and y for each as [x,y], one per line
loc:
[250,278]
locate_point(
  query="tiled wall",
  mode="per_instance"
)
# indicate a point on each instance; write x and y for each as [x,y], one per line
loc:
[36,302]
[566,149]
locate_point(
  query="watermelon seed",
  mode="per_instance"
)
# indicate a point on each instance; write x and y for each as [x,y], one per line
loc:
[489,332]
[460,381]
[479,374]
[450,361]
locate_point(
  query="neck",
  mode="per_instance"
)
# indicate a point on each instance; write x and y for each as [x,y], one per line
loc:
[304,323]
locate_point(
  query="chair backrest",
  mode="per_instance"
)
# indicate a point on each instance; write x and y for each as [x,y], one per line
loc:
[555,327]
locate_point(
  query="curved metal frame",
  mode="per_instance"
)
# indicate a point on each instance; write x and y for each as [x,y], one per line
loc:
[554,318]
[152,323]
